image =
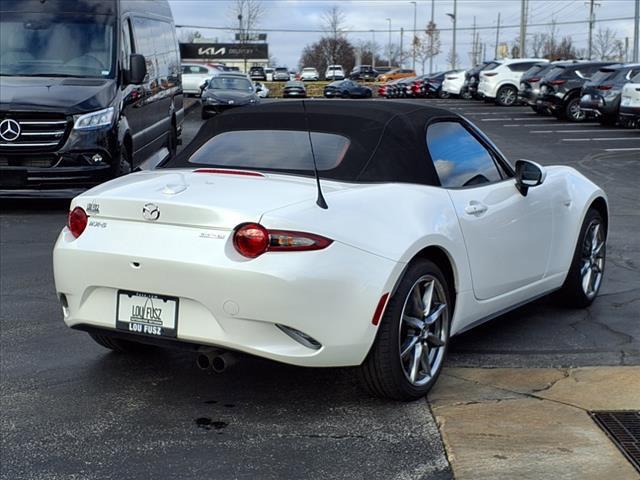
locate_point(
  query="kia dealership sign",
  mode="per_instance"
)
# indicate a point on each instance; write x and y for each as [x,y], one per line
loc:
[224,51]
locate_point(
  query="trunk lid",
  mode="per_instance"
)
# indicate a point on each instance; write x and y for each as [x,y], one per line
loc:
[206,200]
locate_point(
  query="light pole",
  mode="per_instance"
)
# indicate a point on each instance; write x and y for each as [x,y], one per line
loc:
[389,46]
[415,9]
[431,38]
[636,33]
[373,49]
[453,49]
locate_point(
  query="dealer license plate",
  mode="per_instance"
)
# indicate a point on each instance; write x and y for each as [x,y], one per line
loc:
[147,313]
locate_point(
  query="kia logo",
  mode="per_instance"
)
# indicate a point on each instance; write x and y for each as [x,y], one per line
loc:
[9,130]
[151,212]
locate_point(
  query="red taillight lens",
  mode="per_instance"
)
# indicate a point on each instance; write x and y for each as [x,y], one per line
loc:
[77,221]
[558,82]
[604,87]
[534,79]
[252,240]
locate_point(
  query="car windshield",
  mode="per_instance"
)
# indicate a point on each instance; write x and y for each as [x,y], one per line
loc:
[265,150]
[281,70]
[230,83]
[57,45]
[308,69]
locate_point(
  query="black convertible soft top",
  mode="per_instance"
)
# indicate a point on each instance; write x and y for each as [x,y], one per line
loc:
[387,138]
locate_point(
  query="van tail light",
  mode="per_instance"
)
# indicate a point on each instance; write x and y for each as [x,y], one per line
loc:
[77,221]
[558,82]
[492,74]
[604,87]
[252,240]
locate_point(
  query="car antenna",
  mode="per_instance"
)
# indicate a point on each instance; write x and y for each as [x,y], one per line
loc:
[320,201]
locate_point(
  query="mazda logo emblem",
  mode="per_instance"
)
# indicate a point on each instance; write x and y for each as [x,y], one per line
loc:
[9,130]
[150,212]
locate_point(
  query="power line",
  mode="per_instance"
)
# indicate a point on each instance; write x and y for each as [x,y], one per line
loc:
[369,30]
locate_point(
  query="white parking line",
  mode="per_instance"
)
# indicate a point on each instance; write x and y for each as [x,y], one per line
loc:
[535,118]
[495,119]
[621,149]
[573,131]
[598,139]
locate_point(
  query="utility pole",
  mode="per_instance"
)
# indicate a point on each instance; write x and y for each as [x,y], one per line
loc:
[431,39]
[591,21]
[474,49]
[626,49]
[402,48]
[523,28]
[636,34]
[453,49]
[415,11]
[389,46]
[495,55]
[373,49]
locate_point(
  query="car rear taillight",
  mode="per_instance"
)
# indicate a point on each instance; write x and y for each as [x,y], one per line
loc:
[252,240]
[534,79]
[558,82]
[604,87]
[77,221]
[452,78]
[491,74]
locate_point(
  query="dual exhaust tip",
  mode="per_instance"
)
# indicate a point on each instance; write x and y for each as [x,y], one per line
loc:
[215,360]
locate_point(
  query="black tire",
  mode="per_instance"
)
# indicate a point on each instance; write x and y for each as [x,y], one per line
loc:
[507,96]
[118,345]
[467,96]
[345,94]
[368,94]
[172,144]
[572,111]
[122,164]
[443,94]
[382,372]
[572,293]
[538,110]
[607,121]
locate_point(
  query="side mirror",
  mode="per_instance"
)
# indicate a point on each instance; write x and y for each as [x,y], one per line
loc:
[137,68]
[204,85]
[528,174]
[258,87]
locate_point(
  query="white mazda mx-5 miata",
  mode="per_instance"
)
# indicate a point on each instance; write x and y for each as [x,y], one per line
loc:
[328,233]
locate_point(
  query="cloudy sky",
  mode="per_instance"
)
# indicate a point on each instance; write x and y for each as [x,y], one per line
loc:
[365,15]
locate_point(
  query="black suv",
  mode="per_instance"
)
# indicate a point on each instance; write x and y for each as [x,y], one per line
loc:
[601,95]
[364,72]
[560,89]
[529,90]
[76,113]
[257,73]
[470,87]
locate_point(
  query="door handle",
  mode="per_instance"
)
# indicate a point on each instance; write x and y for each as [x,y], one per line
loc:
[475,208]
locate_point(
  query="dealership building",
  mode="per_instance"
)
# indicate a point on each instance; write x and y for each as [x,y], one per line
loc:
[230,54]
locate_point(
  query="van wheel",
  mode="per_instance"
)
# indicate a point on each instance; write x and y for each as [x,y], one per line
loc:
[122,164]
[119,345]
[407,355]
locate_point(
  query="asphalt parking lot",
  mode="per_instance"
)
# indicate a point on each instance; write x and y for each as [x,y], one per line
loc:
[70,409]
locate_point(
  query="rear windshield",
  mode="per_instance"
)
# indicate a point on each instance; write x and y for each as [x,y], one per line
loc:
[281,70]
[636,79]
[533,70]
[490,66]
[603,75]
[274,150]
[555,71]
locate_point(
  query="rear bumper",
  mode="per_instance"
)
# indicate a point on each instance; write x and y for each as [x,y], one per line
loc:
[225,300]
[633,112]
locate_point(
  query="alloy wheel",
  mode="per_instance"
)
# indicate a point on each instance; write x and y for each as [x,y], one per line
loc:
[575,113]
[423,331]
[593,254]
[507,96]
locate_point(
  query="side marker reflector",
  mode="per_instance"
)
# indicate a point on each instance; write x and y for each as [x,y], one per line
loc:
[380,309]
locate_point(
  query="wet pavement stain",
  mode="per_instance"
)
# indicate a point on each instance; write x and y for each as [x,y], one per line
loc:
[211,402]
[207,424]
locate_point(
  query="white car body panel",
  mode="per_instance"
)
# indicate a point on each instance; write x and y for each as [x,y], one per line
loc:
[191,82]
[630,95]
[309,74]
[453,83]
[334,72]
[488,86]
[229,301]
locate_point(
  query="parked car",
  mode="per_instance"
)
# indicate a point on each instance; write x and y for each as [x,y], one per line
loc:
[227,91]
[561,86]
[76,113]
[529,89]
[395,74]
[347,89]
[389,89]
[630,103]
[453,82]
[257,73]
[365,73]
[250,233]
[334,72]
[432,85]
[294,88]
[268,73]
[193,75]
[472,78]
[281,74]
[261,89]
[415,87]
[500,83]
[602,94]
[309,74]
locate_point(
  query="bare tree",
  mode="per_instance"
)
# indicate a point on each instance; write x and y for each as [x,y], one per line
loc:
[451,60]
[604,44]
[537,43]
[315,55]
[428,44]
[334,25]
[248,14]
